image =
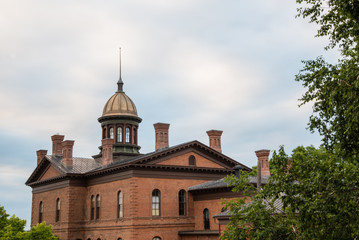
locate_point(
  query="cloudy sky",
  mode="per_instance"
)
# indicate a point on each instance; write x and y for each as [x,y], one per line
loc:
[196,64]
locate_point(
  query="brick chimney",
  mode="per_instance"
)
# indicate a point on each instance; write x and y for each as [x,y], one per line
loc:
[67,148]
[40,155]
[215,139]
[263,159]
[161,132]
[107,156]
[57,144]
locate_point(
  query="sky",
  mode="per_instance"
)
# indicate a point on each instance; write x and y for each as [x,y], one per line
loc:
[196,64]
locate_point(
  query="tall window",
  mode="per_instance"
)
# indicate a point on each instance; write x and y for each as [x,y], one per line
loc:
[134,136]
[58,206]
[98,204]
[120,205]
[41,211]
[156,202]
[92,207]
[206,218]
[127,134]
[119,134]
[103,133]
[156,238]
[111,132]
[182,202]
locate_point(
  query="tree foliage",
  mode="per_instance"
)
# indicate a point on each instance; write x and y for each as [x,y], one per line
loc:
[334,88]
[317,188]
[318,193]
[13,229]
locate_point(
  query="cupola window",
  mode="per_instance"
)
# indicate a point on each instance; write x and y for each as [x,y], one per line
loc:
[103,133]
[119,135]
[111,132]
[135,136]
[127,134]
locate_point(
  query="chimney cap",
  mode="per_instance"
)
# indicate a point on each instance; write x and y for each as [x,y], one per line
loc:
[214,132]
[160,125]
[262,152]
[58,137]
[68,143]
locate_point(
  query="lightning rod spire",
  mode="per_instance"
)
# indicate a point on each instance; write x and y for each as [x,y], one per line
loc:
[120,83]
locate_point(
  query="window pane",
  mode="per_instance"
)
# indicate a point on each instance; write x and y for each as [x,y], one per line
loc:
[119,134]
[127,134]
[120,205]
[111,132]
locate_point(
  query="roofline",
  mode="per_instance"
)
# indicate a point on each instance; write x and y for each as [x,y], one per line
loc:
[186,145]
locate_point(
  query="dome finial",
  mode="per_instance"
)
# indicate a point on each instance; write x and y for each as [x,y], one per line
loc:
[120,83]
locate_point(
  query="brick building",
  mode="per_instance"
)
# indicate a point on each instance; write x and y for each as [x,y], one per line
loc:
[120,194]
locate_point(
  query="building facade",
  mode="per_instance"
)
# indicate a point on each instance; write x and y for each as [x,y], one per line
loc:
[120,194]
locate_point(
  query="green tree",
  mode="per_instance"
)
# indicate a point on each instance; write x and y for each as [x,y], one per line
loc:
[318,188]
[318,196]
[40,231]
[13,229]
[334,88]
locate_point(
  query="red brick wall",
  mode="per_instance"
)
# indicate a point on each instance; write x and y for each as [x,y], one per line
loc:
[49,200]
[214,206]
[138,222]
[183,161]
[50,173]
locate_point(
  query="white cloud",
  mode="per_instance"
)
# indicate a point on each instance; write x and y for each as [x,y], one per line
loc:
[196,64]
[11,176]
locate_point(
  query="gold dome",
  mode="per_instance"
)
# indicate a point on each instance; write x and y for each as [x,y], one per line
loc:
[119,105]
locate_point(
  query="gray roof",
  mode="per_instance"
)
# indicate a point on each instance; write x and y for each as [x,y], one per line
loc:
[79,165]
[221,183]
[277,204]
[159,152]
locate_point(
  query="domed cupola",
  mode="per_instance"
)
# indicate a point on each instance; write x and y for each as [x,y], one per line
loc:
[119,104]
[119,123]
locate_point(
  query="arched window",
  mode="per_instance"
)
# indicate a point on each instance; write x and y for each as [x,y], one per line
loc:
[134,136]
[58,206]
[103,133]
[98,204]
[156,238]
[192,160]
[156,202]
[92,214]
[119,238]
[127,134]
[119,134]
[182,202]
[111,132]
[120,205]
[206,218]
[41,211]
